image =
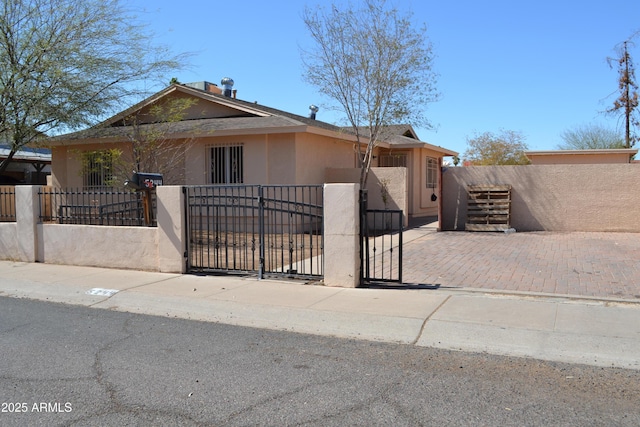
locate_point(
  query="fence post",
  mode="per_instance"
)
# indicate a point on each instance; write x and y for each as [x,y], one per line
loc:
[341,235]
[171,230]
[261,253]
[27,218]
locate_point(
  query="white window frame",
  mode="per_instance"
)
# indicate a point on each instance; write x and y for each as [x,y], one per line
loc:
[432,172]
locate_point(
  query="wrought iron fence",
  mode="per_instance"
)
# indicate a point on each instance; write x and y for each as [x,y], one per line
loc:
[7,204]
[274,230]
[97,206]
[382,246]
[380,243]
[293,237]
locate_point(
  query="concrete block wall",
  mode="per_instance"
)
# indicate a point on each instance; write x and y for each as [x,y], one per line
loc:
[578,197]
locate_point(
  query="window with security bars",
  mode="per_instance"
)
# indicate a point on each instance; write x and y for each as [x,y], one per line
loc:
[98,169]
[226,164]
[432,172]
[392,160]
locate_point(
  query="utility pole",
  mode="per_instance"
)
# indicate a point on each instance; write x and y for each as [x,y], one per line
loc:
[627,109]
[628,100]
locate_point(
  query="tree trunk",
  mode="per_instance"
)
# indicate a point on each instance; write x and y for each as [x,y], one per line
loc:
[5,163]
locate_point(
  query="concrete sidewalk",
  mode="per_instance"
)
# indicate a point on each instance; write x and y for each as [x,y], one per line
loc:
[591,331]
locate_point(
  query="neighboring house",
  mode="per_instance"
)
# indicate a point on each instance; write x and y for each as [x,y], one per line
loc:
[600,156]
[28,166]
[223,140]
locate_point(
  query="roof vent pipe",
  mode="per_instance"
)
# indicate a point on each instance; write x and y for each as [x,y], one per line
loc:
[227,84]
[313,110]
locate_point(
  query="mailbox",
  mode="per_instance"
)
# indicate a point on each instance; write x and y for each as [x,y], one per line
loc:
[144,180]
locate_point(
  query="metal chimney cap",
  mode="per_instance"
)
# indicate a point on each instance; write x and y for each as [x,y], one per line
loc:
[227,81]
[313,108]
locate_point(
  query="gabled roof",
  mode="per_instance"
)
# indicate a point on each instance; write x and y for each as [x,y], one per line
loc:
[400,141]
[253,109]
[247,109]
[249,118]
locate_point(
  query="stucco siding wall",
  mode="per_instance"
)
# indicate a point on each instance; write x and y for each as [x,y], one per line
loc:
[279,160]
[315,153]
[394,180]
[66,163]
[267,159]
[59,166]
[552,197]
[87,245]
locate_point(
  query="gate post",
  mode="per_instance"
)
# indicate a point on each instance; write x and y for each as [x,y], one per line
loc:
[171,229]
[27,219]
[341,235]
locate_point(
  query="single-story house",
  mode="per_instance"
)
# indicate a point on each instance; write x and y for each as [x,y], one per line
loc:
[206,135]
[594,156]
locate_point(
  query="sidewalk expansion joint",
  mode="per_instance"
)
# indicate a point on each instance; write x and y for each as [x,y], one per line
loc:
[338,291]
[128,289]
[424,324]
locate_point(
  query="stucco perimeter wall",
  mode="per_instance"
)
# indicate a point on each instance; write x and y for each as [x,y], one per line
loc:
[581,197]
[158,248]
[8,240]
[162,248]
[101,246]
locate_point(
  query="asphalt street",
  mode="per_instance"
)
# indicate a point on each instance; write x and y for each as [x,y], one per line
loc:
[78,366]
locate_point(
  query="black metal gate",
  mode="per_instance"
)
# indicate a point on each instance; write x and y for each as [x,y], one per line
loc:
[380,244]
[256,229]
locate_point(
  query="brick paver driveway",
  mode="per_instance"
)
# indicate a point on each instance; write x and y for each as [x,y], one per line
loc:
[576,263]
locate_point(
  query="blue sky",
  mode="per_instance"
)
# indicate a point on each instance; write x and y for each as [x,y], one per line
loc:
[536,67]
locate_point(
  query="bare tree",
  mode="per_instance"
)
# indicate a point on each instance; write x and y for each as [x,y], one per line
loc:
[374,66]
[627,102]
[506,148]
[589,137]
[68,63]
[151,147]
